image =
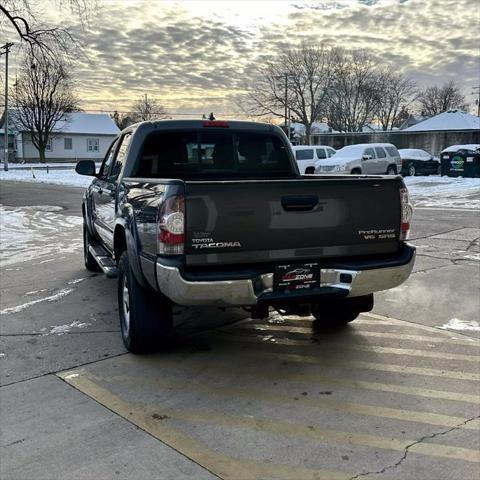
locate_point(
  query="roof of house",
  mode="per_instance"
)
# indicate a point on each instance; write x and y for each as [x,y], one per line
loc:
[88,123]
[80,123]
[450,120]
[317,127]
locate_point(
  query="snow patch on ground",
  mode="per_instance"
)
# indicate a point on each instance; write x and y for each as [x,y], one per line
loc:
[444,192]
[23,306]
[56,177]
[457,324]
[32,233]
[62,329]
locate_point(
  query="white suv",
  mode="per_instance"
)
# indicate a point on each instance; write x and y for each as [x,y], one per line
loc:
[308,155]
[368,158]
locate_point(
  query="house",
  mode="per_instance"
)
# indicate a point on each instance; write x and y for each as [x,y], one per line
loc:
[79,136]
[298,131]
[450,120]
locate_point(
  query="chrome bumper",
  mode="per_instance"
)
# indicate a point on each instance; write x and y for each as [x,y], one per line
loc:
[248,291]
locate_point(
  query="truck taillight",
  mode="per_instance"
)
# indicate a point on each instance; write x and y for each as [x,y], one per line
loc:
[171,226]
[406,214]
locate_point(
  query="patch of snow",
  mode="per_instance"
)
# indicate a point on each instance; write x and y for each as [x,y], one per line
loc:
[451,120]
[56,177]
[457,324]
[23,306]
[76,280]
[456,148]
[26,235]
[472,256]
[446,192]
[33,292]
[2,355]
[62,329]
[42,208]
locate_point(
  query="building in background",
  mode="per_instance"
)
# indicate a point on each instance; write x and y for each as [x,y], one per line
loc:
[449,120]
[80,136]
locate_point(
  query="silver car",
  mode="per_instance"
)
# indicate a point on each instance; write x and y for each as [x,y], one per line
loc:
[364,158]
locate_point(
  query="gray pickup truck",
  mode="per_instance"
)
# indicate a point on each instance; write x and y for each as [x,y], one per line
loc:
[214,213]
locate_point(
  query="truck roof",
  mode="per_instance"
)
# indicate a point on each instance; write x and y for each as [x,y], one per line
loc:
[194,124]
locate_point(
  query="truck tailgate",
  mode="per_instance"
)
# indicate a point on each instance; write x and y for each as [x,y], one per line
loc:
[250,221]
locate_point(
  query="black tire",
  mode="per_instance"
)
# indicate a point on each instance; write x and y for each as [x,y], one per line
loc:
[90,262]
[412,171]
[309,170]
[356,171]
[145,317]
[391,170]
[337,318]
[338,313]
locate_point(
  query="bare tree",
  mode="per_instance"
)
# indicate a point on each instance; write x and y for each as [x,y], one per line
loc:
[435,100]
[122,119]
[353,98]
[147,109]
[297,80]
[43,97]
[396,93]
[21,18]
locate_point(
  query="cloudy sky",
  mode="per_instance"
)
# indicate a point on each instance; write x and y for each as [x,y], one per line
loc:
[196,56]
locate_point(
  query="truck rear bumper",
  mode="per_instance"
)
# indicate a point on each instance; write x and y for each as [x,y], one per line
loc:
[364,279]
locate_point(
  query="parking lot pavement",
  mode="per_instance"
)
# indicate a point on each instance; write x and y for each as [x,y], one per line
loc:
[397,392]
[279,399]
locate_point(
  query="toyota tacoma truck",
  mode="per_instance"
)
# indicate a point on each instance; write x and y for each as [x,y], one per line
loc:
[213,213]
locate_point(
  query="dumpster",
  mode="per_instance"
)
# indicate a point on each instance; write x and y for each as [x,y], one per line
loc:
[461,161]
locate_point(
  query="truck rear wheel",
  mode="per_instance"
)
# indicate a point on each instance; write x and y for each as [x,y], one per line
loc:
[145,320]
[341,312]
[334,318]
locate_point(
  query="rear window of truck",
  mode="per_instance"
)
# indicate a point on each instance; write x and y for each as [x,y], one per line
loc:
[194,154]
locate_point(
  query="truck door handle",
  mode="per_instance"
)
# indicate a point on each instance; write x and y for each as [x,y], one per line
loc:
[299,203]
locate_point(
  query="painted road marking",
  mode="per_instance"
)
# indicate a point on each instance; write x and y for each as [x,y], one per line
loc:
[212,365]
[350,346]
[384,367]
[264,327]
[222,465]
[287,399]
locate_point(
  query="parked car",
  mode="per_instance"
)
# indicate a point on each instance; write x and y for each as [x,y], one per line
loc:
[418,162]
[369,158]
[213,213]
[308,155]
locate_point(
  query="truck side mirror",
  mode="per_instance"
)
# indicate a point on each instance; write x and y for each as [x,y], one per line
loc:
[366,157]
[85,167]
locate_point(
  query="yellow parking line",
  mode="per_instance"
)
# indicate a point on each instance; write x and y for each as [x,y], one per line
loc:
[281,398]
[271,327]
[383,320]
[384,367]
[222,465]
[362,348]
[323,435]
[279,372]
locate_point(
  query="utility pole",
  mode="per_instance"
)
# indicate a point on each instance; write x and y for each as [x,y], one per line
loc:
[286,98]
[478,100]
[6,47]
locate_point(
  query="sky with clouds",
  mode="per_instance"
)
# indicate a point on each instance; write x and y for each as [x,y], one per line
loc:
[196,56]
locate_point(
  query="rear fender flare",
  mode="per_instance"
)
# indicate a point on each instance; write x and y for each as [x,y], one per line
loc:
[126,222]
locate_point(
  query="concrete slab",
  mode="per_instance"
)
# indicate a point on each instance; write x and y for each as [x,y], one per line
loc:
[51,431]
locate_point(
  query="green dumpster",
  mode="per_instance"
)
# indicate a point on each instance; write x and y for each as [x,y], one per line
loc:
[461,161]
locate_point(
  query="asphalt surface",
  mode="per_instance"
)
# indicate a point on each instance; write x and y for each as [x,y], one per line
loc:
[391,396]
